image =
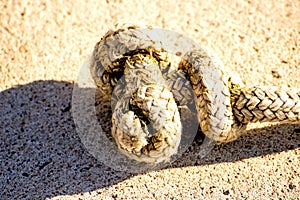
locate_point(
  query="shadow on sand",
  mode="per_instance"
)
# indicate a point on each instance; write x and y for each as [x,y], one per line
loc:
[42,155]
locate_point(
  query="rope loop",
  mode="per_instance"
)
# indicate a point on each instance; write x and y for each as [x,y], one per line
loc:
[152,90]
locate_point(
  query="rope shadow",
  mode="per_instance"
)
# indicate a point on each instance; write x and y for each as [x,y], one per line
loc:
[42,155]
[255,142]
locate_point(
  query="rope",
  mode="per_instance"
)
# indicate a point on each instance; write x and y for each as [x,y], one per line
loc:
[148,103]
[266,104]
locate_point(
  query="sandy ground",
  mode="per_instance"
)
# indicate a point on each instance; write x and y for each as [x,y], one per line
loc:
[44,43]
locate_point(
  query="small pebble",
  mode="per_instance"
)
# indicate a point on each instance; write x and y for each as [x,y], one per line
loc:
[276,74]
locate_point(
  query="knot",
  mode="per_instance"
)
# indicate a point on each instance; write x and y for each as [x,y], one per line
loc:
[152,90]
[145,121]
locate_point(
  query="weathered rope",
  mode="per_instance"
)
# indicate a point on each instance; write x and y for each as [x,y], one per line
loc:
[266,104]
[155,84]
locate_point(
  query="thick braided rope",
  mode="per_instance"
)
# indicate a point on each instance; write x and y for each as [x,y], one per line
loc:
[150,98]
[210,85]
[266,104]
[223,107]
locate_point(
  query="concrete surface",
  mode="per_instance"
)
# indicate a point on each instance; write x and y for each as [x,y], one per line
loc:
[44,43]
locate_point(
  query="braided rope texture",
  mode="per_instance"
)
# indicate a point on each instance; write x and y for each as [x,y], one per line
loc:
[149,104]
[267,104]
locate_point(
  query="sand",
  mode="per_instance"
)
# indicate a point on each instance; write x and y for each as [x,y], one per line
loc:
[43,44]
